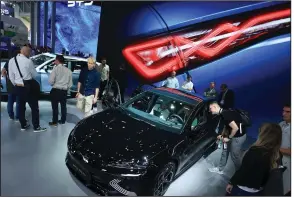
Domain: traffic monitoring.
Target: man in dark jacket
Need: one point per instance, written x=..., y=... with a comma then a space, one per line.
x=226, y=97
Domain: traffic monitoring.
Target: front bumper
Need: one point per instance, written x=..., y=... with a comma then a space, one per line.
x=102, y=183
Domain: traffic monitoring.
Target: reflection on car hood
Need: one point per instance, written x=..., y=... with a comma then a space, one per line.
x=113, y=136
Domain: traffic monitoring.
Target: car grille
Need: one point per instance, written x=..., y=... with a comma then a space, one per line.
x=96, y=181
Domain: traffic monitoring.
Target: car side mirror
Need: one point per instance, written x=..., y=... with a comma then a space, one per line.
x=46, y=68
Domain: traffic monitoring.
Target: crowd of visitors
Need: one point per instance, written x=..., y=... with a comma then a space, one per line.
x=254, y=169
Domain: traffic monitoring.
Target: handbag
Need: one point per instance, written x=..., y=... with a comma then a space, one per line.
x=31, y=85
x=81, y=103
x=84, y=103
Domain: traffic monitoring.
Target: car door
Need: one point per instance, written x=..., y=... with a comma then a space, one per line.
x=199, y=137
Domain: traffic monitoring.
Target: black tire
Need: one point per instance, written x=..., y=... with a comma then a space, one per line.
x=159, y=187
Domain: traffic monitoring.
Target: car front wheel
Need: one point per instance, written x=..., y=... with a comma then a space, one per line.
x=163, y=179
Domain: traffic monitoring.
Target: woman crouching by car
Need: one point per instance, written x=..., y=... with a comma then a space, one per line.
x=258, y=161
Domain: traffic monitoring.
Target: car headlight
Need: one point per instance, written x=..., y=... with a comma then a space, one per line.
x=132, y=165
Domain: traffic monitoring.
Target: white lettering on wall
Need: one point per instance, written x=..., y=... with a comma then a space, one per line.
x=79, y=3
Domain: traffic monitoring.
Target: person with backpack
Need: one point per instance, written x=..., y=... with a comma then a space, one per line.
x=231, y=138
x=260, y=162
x=12, y=97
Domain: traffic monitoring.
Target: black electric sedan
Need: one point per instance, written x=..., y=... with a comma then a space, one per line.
x=143, y=145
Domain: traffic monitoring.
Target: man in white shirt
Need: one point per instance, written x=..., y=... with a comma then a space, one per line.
x=162, y=109
x=286, y=147
x=104, y=68
x=172, y=81
x=22, y=80
x=61, y=81
x=188, y=84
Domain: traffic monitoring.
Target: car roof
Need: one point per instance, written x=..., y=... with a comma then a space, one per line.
x=66, y=57
x=181, y=95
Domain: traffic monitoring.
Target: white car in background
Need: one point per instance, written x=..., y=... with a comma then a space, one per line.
x=44, y=64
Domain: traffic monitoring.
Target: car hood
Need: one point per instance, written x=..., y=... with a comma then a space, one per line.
x=114, y=136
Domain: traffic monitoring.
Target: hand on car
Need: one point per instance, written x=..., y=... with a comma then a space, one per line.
x=229, y=188
x=226, y=139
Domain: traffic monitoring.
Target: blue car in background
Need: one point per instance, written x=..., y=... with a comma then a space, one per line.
x=44, y=65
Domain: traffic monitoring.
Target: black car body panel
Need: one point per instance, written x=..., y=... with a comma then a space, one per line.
x=116, y=145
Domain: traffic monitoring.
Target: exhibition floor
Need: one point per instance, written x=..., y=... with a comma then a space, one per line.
x=32, y=164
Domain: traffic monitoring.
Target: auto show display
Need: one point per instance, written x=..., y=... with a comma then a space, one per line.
x=140, y=147
x=44, y=64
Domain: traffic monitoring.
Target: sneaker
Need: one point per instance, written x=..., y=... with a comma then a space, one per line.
x=53, y=124
x=10, y=118
x=39, y=129
x=61, y=122
x=25, y=127
x=95, y=109
x=216, y=170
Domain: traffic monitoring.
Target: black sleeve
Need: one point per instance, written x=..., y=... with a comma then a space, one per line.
x=81, y=77
x=230, y=97
x=253, y=161
x=227, y=116
x=219, y=98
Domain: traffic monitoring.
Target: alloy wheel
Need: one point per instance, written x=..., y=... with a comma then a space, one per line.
x=164, y=179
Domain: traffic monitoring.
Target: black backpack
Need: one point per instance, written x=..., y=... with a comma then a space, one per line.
x=246, y=120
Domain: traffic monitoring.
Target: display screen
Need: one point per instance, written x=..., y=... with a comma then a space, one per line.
x=41, y=23
x=77, y=28
x=244, y=44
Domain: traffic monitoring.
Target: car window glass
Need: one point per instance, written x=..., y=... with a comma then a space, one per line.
x=161, y=109
x=200, y=118
x=76, y=66
x=39, y=60
x=51, y=65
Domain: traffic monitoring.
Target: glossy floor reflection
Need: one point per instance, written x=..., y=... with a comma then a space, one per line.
x=32, y=164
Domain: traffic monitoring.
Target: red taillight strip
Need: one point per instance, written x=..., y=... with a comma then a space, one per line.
x=198, y=48
x=180, y=93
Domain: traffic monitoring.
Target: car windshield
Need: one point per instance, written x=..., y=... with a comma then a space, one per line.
x=39, y=60
x=3, y=63
x=162, y=111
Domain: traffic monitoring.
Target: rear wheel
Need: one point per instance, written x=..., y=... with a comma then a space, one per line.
x=163, y=179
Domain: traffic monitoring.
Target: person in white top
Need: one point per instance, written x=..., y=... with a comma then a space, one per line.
x=172, y=81
x=188, y=84
x=104, y=69
x=162, y=109
x=21, y=74
x=286, y=147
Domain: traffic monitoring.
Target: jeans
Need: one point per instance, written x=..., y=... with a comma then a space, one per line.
x=58, y=96
x=235, y=148
x=26, y=96
x=236, y=191
x=12, y=98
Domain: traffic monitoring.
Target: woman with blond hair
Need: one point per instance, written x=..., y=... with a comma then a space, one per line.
x=259, y=160
x=88, y=87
